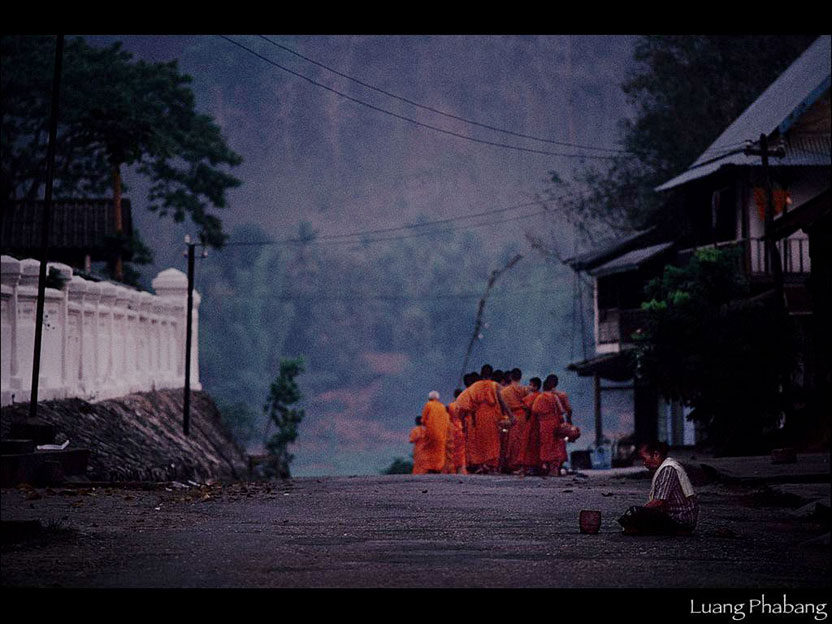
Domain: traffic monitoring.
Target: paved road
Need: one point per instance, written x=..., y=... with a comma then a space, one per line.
x=402, y=531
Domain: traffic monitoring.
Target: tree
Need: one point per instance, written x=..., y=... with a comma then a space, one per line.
x=114, y=113
x=284, y=393
x=685, y=90
x=399, y=465
x=240, y=420
x=711, y=347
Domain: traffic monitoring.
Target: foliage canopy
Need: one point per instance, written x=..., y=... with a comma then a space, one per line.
x=114, y=112
x=283, y=393
x=399, y=465
x=709, y=346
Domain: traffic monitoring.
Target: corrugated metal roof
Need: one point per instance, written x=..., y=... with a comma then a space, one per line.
x=631, y=260
x=806, y=151
x=594, y=257
x=779, y=106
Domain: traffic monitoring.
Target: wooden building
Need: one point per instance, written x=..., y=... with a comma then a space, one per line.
x=720, y=201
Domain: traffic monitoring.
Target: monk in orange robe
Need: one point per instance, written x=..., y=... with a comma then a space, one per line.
x=549, y=411
x=504, y=424
x=417, y=439
x=531, y=455
x=465, y=410
x=488, y=410
x=455, y=464
x=567, y=416
x=437, y=425
x=518, y=436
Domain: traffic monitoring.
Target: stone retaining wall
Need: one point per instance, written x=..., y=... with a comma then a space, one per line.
x=139, y=437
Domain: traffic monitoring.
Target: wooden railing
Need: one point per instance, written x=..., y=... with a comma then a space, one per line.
x=615, y=325
x=793, y=252
x=100, y=340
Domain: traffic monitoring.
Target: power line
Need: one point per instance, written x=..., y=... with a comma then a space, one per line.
x=436, y=110
x=363, y=297
x=414, y=121
x=330, y=237
x=334, y=237
x=389, y=238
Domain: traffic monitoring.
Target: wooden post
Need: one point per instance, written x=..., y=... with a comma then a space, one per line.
x=599, y=425
x=188, y=328
x=46, y=223
x=771, y=248
x=118, y=219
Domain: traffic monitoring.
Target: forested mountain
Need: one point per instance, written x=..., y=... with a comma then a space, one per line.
x=378, y=330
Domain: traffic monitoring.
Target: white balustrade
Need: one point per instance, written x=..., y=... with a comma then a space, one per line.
x=100, y=340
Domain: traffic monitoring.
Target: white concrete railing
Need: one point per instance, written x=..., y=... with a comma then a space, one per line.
x=100, y=340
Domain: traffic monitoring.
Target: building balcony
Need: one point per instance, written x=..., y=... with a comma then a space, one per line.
x=616, y=326
x=793, y=252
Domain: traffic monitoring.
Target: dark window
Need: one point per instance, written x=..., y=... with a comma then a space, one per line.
x=724, y=215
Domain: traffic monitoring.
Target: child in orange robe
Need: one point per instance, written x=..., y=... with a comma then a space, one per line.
x=417, y=439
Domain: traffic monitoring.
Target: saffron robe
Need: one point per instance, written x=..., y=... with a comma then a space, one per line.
x=549, y=411
x=531, y=455
x=417, y=439
x=456, y=442
x=437, y=425
x=484, y=433
x=566, y=410
x=518, y=435
x=564, y=401
x=465, y=410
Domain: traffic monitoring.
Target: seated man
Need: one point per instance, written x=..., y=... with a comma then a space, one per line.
x=672, y=507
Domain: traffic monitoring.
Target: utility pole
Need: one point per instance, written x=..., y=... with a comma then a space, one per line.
x=188, y=329
x=599, y=421
x=772, y=255
x=46, y=223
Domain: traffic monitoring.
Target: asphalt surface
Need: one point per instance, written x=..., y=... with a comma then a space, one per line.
x=403, y=531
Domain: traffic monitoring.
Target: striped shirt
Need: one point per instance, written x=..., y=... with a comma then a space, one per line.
x=683, y=509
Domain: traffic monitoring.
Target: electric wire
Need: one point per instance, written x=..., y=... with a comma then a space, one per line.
x=414, y=121
x=362, y=241
x=363, y=297
x=331, y=237
x=438, y=111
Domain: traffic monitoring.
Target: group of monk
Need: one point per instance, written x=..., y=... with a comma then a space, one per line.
x=495, y=424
